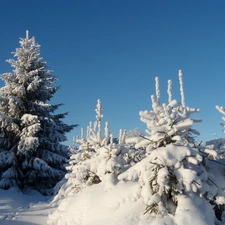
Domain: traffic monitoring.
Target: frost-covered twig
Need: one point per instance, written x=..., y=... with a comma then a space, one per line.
x=181, y=88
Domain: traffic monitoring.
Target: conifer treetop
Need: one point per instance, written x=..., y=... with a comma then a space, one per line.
x=168, y=123
x=27, y=34
x=181, y=88
x=94, y=136
x=157, y=90
x=169, y=91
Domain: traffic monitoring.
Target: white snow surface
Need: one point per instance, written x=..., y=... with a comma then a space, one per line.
x=122, y=205
x=24, y=209
x=97, y=205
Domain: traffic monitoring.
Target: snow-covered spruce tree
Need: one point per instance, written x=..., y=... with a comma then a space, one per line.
x=174, y=165
x=31, y=154
x=98, y=158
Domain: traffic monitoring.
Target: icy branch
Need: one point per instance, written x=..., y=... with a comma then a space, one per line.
x=181, y=88
x=157, y=90
x=27, y=34
x=82, y=133
x=169, y=91
x=106, y=133
x=99, y=117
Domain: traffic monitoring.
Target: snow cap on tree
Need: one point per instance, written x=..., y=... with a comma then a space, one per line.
x=181, y=88
x=169, y=91
x=168, y=123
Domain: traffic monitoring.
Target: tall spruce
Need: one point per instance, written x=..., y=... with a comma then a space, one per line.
x=31, y=153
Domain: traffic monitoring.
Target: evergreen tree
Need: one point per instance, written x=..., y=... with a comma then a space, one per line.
x=174, y=165
x=31, y=154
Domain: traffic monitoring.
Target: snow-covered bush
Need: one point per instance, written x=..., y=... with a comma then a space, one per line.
x=96, y=158
x=174, y=165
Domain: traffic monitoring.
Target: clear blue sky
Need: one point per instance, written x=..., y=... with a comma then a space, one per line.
x=113, y=50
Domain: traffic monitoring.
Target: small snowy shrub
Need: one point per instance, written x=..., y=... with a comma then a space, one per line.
x=98, y=158
x=174, y=164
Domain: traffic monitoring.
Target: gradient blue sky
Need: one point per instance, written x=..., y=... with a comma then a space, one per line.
x=113, y=50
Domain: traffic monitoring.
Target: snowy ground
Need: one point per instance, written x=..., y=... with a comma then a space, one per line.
x=19, y=209
x=97, y=205
x=122, y=205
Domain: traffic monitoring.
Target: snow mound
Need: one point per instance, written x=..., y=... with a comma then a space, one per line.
x=122, y=205
x=95, y=205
